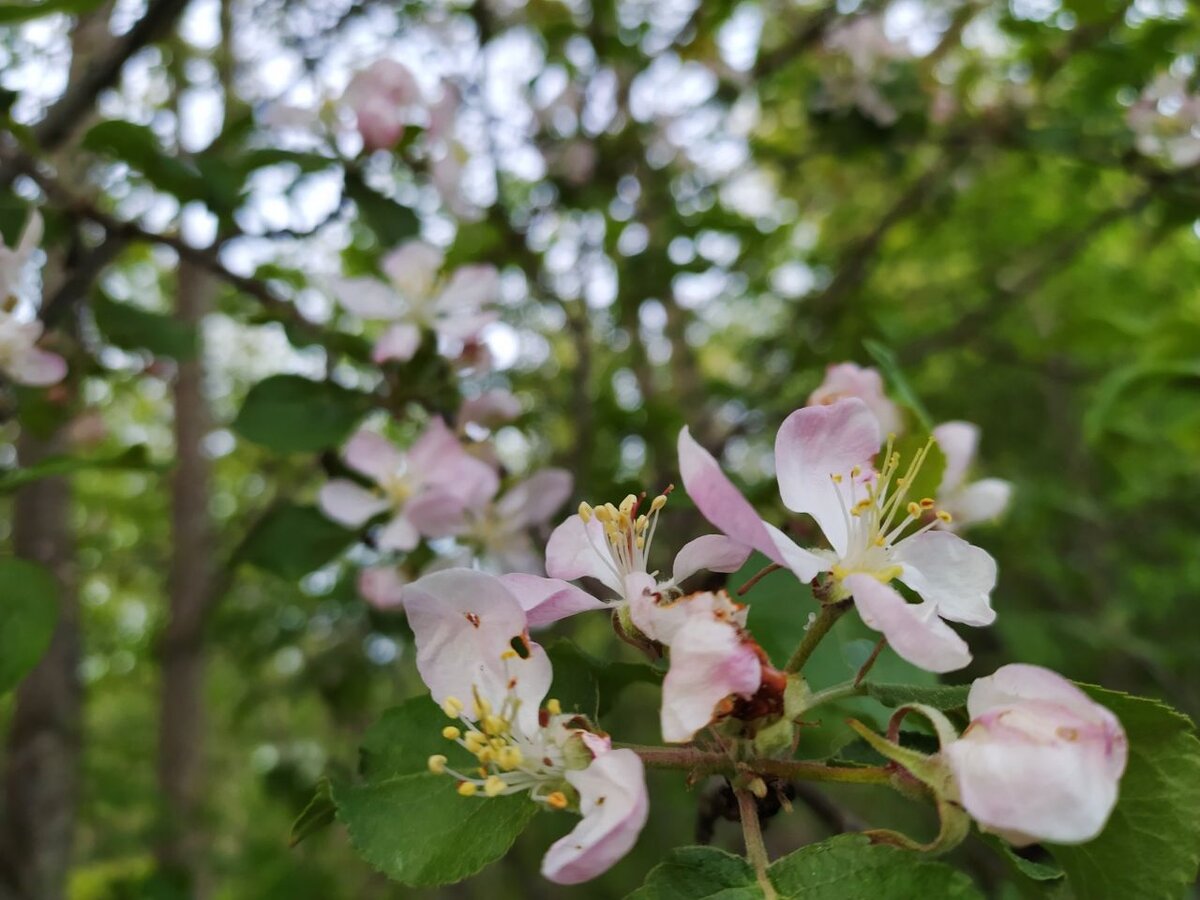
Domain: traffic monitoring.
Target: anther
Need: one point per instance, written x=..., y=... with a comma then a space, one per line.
x=452, y=707
x=451, y=733
x=467, y=789
x=437, y=764
x=553, y=707
x=926, y=503
x=494, y=786
x=556, y=800
x=585, y=512
x=945, y=516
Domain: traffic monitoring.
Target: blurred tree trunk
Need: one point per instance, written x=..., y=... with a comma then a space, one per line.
x=182, y=728
x=41, y=780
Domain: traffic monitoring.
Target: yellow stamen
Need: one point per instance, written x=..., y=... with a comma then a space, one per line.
x=945, y=516
x=494, y=786
x=451, y=733
x=510, y=757
x=437, y=764
x=553, y=707
x=452, y=707
x=467, y=789
x=557, y=800
x=585, y=512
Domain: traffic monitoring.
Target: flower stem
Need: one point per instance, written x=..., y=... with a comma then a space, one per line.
x=820, y=626
x=757, y=577
x=866, y=667
x=837, y=692
x=709, y=763
x=756, y=850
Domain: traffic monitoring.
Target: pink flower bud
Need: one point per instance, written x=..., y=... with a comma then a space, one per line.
x=1040, y=761
x=380, y=96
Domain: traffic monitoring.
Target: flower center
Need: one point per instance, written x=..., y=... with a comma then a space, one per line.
x=878, y=514
x=628, y=532
x=397, y=488
x=508, y=760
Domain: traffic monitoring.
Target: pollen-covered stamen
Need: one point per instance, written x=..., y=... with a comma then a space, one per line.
x=878, y=513
x=628, y=531
x=506, y=759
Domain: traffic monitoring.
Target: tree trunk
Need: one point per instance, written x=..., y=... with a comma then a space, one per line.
x=44, y=743
x=181, y=735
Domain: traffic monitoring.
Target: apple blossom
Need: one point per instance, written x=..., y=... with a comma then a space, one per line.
x=851, y=380
x=501, y=527
x=714, y=662
x=413, y=299
x=1166, y=121
x=875, y=532
x=489, y=409
x=868, y=50
x=967, y=504
x=1040, y=761
x=427, y=490
x=610, y=543
x=382, y=97
x=466, y=624
x=20, y=358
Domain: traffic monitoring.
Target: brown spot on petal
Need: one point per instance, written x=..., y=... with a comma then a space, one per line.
x=472, y=618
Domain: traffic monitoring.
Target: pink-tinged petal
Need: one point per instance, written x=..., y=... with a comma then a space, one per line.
x=850, y=380
x=348, y=503
x=713, y=552
x=979, y=501
x=367, y=298
x=1021, y=682
x=438, y=459
x=379, y=125
x=721, y=502
x=470, y=288
x=956, y=577
x=547, y=600
x=710, y=661
x=913, y=631
x=382, y=586
x=1038, y=769
x=578, y=550
x=413, y=268
x=958, y=442
x=537, y=498
x=38, y=368
x=463, y=624
x=614, y=804
x=489, y=409
x=436, y=513
x=373, y=455
x=661, y=619
x=596, y=743
x=813, y=445
x=400, y=343
x=398, y=534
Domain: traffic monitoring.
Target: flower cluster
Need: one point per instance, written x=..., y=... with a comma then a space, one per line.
x=1039, y=761
x=1165, y=121
x=20, y=358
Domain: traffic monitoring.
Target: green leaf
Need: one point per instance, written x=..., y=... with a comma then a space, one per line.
x=585, y=684
x=132, y=328
x=412, y=825
x=28, y=614
x=699, y=873
x=137, y=145
x=291, y=414
x=1038, y=871
x=843, y=868
x=318, y=814
x=391, y=222
x=850, y=868
x=1151, y=845
x=929, y=477
x=12, y=13
x=292, y=541
x=939, y=696
x=890, y=367
x=135, y=458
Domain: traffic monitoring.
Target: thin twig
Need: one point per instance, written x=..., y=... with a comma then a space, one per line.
x=866, y=667
x=757, y=577
x=825, y=620
x=756, y=850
